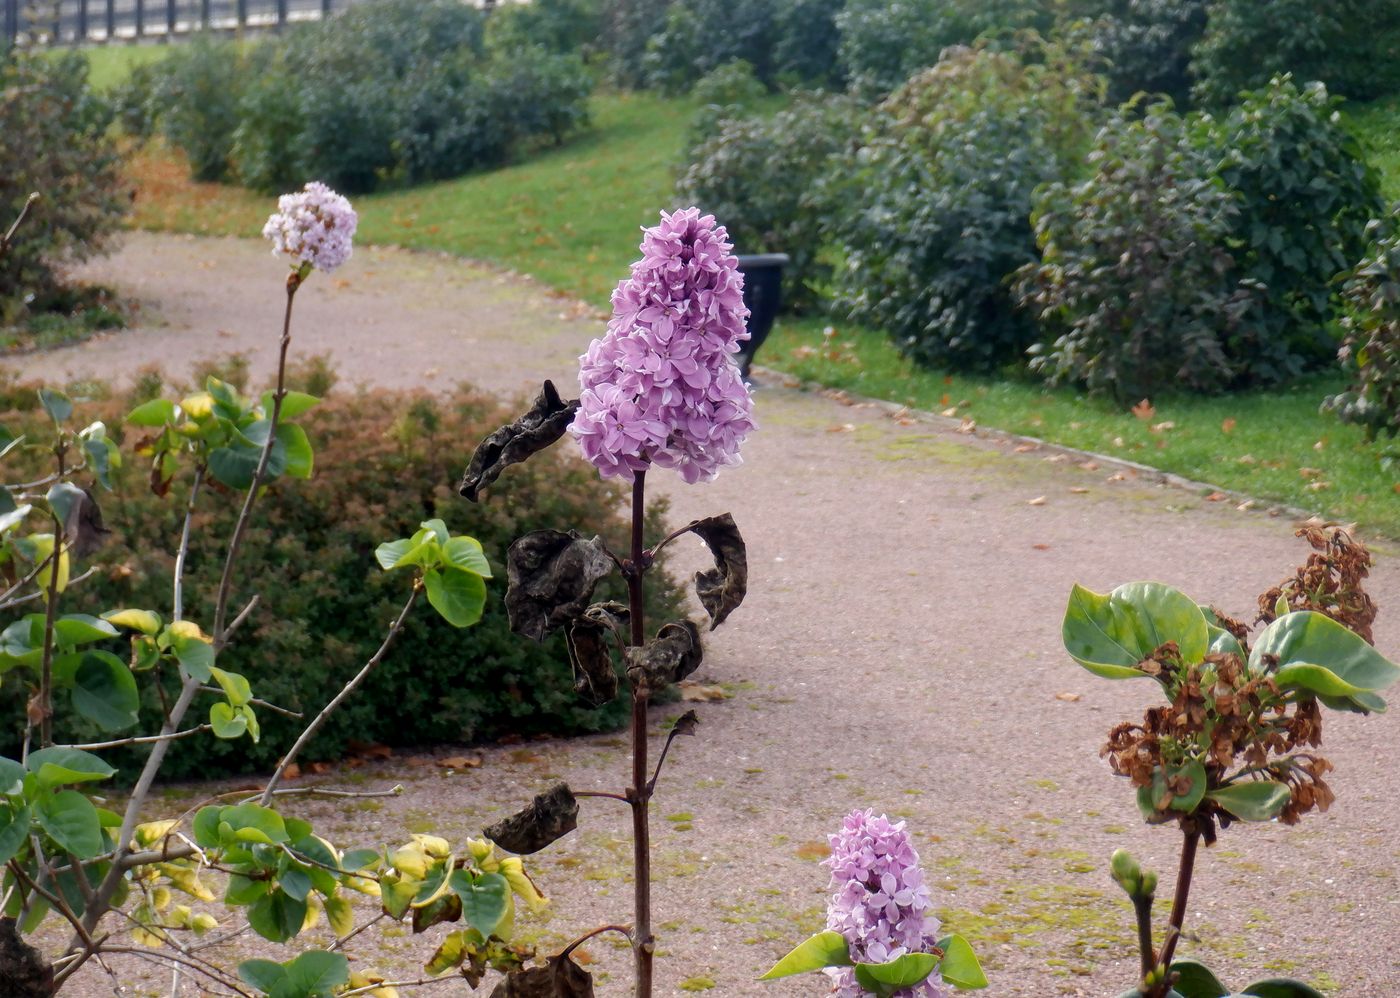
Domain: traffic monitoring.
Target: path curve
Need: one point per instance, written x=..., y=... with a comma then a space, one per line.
x=899, y=649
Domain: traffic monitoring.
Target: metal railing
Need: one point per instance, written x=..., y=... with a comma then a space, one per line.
x=78, y=22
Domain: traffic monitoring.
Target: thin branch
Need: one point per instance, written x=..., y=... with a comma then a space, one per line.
x=339, y=698
x=209, y=971
x=33, y=574
x=178, y=595
x=294, y=714
x=626, y=930
x=140, y=740
x=685, y=726
x=8, y=240
x=340, y=943
x=650, y=555
x=20, y=600
x=222, y=641
x=602, y=793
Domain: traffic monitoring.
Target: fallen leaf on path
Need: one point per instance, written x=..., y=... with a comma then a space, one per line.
x=950, y=413
x=1144, y=410
x=813, y=850
x=1041, y=547
x=292, y=772
x=460, y=762
x=1310, y=472
x=1057, y=458
x=1216, y=497
x=843, y=428
x=945, y=400
x=694, y=692
x=370, y=750
x=1026, y=448
x=1037, y=501
x=967, y=426
x=1245, y=506
x=1089, y=466
x=1228, y=426
x=1069, y=697
x=1079, y=490
x=1117, y=476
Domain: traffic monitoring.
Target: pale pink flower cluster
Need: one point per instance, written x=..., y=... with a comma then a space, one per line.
x=314, y=226
x=661, y=387
x=881, y=905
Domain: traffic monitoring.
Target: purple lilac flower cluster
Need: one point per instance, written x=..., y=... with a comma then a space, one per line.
x=314, y=226
x=661, y=387
x=881, y=904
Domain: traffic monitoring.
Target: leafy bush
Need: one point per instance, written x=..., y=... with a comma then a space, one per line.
x=885, y=42
x=1147, y=46
x=937, y=204
x=1305, y=195
x=728, y=91
x=385, y=462
x=559, y=26
x=1134, y=275
x=808, y=42
x=1351, y=45
x=687, y=46
x=628, y=25
x=765, y=175
x=1371, y=352
x=201, y=85
x=54, y=140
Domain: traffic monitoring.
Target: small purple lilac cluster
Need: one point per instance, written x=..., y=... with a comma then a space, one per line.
x=661, y=387
x=881, y=905
x=315, y=226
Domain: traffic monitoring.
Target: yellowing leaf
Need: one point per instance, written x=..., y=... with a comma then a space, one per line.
x=151, y=832
x=513, y=869
x=433, y=845
x=198, y=405
x=341, y=916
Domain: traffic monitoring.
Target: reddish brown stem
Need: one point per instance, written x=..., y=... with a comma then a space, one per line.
x=1178, y=916
x=639, y=793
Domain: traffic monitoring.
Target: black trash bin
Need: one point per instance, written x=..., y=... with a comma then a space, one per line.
x=763, y=296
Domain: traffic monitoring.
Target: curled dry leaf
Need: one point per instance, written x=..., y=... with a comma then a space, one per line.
x=595, y=681
x=548, y=818
x=666, y=659
x=550, y=577
x=83, y=529
x=722, y=588
x=542, y=425
x=559, y=978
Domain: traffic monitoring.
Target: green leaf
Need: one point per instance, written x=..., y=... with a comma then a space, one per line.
x=1278, y=987
x=57, y=766
x=1155, y=798
x=313, y=975
x=438, y=529
x=825, y=949
x=11, y=778
x=56, y=404
x=454, y=949
x=1222, y=642
x=294, y=444
x=71, y=820
x=358, y=859
x=14, y=831
x=64, y=498
x=262, y=974
x=458, y=596
x=144, y=621
x=1197, y=981
x=277, y=916
x=206, y=827
x=227, y=722
x=293, y=404
x=13, y=518
x=192, y=651
x=884, y=979
x=1317, y=654
x=104, y=691
x=73, y=629
x=235, y=687
x=295, y=881
x=1257, y=800
x=390, y=554
x=1109, y=635
x=156, y=412
x=960, y=966
x=243, y=891
x=485, y=899
x=252, y=823
x=465, y=553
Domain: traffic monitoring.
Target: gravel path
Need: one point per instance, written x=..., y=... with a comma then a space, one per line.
x=899, y=649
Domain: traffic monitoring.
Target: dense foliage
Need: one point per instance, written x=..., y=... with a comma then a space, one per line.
x=766, y=176
x=1350, y=45
x=385, y=463
x=1371, y=352
x=393, y=91
x=54, y=139
x=1147, y=46
x=559, y=26
x=1134, y=277
x=936, y=212
x=1305, y=194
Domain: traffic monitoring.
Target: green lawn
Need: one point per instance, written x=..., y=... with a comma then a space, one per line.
x=570, y=218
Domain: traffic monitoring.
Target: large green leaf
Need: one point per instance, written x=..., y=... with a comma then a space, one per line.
x=959, y=966
x=313, y=975
x=825, y=949
x=1197, y=981
x=262, y=974
x=465, y=553
x=1257, y=800
x=884, y=979
x=228, y=722
x=1278, y=987
x=58, y=765
x=293, y=404
x=73, y=629
x=296, y=447
x=277, y=916
x=457, y=595
x=251, y=823
x=14, y=830
x=485, y=899
x=156, y=412
x=1317, y=654
x=104, y=691
x=56, y=404
x=71, y=820
x=146, y=621
x=11, y=777
x=1109, y=635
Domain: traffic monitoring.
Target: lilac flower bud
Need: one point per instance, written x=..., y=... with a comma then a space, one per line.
x=881, y=905
x=661, y=387
x=313, y=227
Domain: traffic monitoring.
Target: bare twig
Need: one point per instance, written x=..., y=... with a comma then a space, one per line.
x=338, y=699
x=602, y=793
x=255, y=702
x=10, y=235
x=626, y=930
x=31, y=597
x=221, y=642
x=178, y=595
x=340, y=943
x=140, y=740
x=193, y=963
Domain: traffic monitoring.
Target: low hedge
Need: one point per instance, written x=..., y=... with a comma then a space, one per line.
x=385, y=461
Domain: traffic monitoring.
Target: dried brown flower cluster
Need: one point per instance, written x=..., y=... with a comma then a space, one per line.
x=1330, y=582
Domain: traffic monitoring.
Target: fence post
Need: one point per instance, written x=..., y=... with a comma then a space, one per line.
x=11, y=21
x=325, y=9
x=169, y=19
x=57, y=36
x=111, y=19
x=140, y=18
x=204, y=14
x=242, y=14
x=281, y=14
x=82, y=21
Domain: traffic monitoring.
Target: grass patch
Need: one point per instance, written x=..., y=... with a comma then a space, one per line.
x=1377, y=125
x=71, y=315
x=1271, y=444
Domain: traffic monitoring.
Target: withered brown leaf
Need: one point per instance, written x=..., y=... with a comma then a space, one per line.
x=83, y=531
x=447, y=908
x=594, y=679
x=559, y=978
x=722, y=588
x=543, y=424
x=548, y=818
x=668, y=658
x=550, y=577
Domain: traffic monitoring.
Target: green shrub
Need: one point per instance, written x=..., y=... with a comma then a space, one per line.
x=53, y=140
x=1305, y=195
x=560, y=26
x=628, y=25
x=1371, y=352
x=687, y=46
x=202, y=83
x=934, y=210
x=764, y=178
x=385, y=461
x=885, y=42
x=1147, y=46
x=808, y=42
x=1134, y=276
x=1353, y=46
